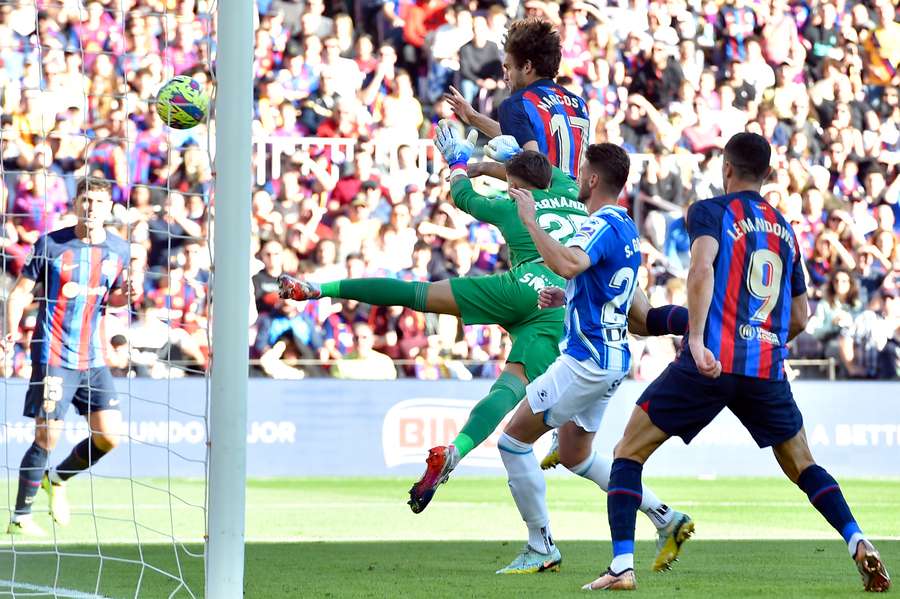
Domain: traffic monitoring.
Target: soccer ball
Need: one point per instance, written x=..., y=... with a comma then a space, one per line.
x=181, y=103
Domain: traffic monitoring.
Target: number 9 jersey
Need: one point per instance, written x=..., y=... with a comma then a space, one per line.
x=553, y=117
x=757, y=273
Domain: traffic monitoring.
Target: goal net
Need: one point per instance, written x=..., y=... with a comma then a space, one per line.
x=78, y=84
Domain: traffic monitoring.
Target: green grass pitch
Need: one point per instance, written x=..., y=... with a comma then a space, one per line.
x=357, y=538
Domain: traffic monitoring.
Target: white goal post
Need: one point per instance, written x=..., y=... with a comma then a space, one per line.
x=231, y=275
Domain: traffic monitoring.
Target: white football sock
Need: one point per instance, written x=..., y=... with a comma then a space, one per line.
x=529, y=489
x=853, y=542
x=597, y=468
x=623, y=562
x=659, y=513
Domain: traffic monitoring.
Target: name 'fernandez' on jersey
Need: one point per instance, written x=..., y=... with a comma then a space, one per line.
x=598, y=299
x=558, y=212
x=757, y=273
x=550, y=115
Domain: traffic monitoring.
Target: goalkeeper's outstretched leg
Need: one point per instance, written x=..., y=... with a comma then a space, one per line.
x=506, y=299
x=421, y=296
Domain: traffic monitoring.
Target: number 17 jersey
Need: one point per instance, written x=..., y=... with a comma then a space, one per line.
x=756, y=274
x=546, y=113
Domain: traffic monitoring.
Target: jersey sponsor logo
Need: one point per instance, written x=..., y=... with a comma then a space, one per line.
x=534, y=281
x=72, y=290
x=748, y=332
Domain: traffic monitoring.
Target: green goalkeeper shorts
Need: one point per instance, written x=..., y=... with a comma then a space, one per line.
x=510, y=300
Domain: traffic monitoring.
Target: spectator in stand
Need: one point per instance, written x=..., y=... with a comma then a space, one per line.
x=659, y=78
x=480, y=63
x=281, y=324
x=364, y=363
x=819, y=81
x=832, y=321
x=169, y=231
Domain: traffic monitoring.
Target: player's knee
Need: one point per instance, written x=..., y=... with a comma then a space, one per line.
x=793, y=468
x=627, y=451
x=105, y=441
x=45, y=441
x=573, y=456
x=793, y=463
x=47, y=436
x=575, y=446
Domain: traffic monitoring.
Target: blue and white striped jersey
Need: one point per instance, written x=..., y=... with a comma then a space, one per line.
x=598, y=300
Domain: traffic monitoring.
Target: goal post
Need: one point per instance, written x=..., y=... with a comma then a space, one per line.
x=231, y=276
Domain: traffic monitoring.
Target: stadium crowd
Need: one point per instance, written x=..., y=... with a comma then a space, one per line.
x=669, y=81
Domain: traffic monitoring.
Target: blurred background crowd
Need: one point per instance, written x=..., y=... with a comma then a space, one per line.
x=668, y=80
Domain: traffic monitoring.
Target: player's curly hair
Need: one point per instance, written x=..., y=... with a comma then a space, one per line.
x=611, y=163
x=537, y=41
x=531, y=167
x=86, y=184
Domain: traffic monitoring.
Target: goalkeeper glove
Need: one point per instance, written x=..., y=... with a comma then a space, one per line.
x=455, y=151
x=502, y=148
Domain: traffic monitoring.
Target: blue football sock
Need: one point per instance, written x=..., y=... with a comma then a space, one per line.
x=34, y=462
x=622, y=501
x=825, y=495
x=83, y=456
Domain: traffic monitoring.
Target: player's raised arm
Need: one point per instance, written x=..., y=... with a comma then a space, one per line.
x=467, y=114
x=501, y=149
x=457, y=152
x=567, y=262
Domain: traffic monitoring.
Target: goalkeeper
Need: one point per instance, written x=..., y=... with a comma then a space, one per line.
x=509, y=299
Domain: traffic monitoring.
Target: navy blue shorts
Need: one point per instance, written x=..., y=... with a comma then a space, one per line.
x=682, y=402
x=54, y=388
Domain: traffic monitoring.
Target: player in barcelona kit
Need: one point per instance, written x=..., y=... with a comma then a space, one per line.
x=81, y=270
x=509, y=299
x=746, y=299
x=539, y=113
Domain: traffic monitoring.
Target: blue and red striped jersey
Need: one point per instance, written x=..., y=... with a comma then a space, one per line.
x=77, y=278
x=757, y=273
x=553, y=117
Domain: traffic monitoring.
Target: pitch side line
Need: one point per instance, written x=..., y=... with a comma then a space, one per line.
x=314, y=504
x=55, y=592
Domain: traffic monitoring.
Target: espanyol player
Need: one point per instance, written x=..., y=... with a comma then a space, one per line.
x=600, y=262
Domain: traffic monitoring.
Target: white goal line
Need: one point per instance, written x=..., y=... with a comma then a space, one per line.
x=44, y=590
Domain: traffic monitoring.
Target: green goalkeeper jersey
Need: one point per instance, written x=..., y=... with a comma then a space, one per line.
x=558, y=212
